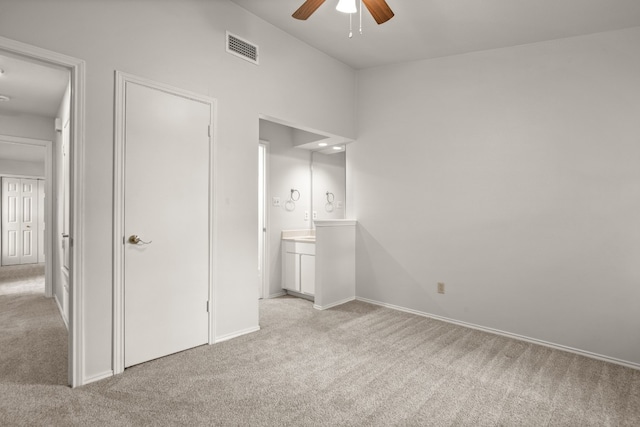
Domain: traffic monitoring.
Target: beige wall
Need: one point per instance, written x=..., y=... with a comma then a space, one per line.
x=511, y=175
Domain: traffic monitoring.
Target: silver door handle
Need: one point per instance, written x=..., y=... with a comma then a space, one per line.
x=64, y=235
x=134, y=240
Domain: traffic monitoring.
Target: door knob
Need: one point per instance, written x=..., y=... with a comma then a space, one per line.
x=134, y=240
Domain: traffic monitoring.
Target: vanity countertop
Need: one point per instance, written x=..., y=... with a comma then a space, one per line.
x=306, y=239
x=306, y=236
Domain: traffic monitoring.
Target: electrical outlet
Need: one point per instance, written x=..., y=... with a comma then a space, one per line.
x=315, y=215
x=306, y=215
x=440, y=287
x=276, y=202
x=339, y=204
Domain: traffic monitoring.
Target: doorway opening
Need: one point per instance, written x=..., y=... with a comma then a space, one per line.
x=25, y=180
x=36, y=61
x=150, y=257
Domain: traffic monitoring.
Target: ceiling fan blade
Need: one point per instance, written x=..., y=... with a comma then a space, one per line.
x=380, y=10
x=307, y=8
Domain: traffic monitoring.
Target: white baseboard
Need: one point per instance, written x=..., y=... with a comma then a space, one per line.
x=64, y=319
x=97, y=377
x=585, y=353
x=333, y=304
x=276, y=295
x=236, y=334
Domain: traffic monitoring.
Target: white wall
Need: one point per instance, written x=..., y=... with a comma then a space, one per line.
x=182, y=44
x=288, y=168
x=26, y=125
x=15, y=167
x=512, y=176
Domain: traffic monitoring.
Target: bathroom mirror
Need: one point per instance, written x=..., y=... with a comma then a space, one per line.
x=311, y=164
x=328, y=186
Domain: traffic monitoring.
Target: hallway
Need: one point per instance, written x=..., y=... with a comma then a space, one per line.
x=22, y=279
x=33, y=338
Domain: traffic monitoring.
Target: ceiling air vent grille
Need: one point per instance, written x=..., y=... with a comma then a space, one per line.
x=242, y=48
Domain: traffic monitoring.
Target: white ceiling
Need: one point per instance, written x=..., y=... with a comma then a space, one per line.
x=424, y=29
x=34, y=88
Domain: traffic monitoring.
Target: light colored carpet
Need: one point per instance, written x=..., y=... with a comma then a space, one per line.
x=356, y=364
x=19, y=279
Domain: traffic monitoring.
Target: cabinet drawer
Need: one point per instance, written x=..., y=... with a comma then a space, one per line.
x=300, y=248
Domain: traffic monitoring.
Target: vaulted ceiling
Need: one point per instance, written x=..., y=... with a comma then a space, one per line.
x=424, y=29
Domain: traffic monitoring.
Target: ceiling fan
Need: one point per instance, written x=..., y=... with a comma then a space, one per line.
x=379, y=9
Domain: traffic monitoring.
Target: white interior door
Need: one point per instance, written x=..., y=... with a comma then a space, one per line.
x=166, y=204
x=11, y=212
x=29, y=223
x=65, y=201
x=19, y=221
x=65, y=254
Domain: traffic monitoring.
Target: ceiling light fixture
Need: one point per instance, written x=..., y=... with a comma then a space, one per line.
x=379, y=9
x=337, y=147
x=4, y=98
x=347, y=6
x=322, y=144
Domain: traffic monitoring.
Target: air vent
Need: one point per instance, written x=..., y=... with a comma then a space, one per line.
x=242, y=48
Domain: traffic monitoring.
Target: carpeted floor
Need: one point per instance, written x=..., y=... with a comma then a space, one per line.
x=20, y=279
x=356, y=364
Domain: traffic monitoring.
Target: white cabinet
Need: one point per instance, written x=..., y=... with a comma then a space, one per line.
x=291, y=271
x=308, y=274
x=299, y=266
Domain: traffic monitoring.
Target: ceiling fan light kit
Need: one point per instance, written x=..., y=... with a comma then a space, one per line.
x=346, y=6
x=379, y=9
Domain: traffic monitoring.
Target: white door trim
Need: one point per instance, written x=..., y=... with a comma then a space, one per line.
x=266, y=260
x=76, y=312
x=49, y=249
x=121, y=79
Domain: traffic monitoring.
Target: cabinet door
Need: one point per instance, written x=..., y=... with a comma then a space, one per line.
x=291, y=272
x=308, y=274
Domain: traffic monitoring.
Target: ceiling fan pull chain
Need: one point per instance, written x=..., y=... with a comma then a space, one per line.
x=360, y=17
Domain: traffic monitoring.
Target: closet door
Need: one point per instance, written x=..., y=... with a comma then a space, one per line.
x=29, y=223
x=19, y=221
x=11, y=213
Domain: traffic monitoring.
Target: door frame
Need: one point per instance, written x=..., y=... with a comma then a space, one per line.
x=49, y=249
x=266, y=238
x=77, y=68
x=121, y=80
